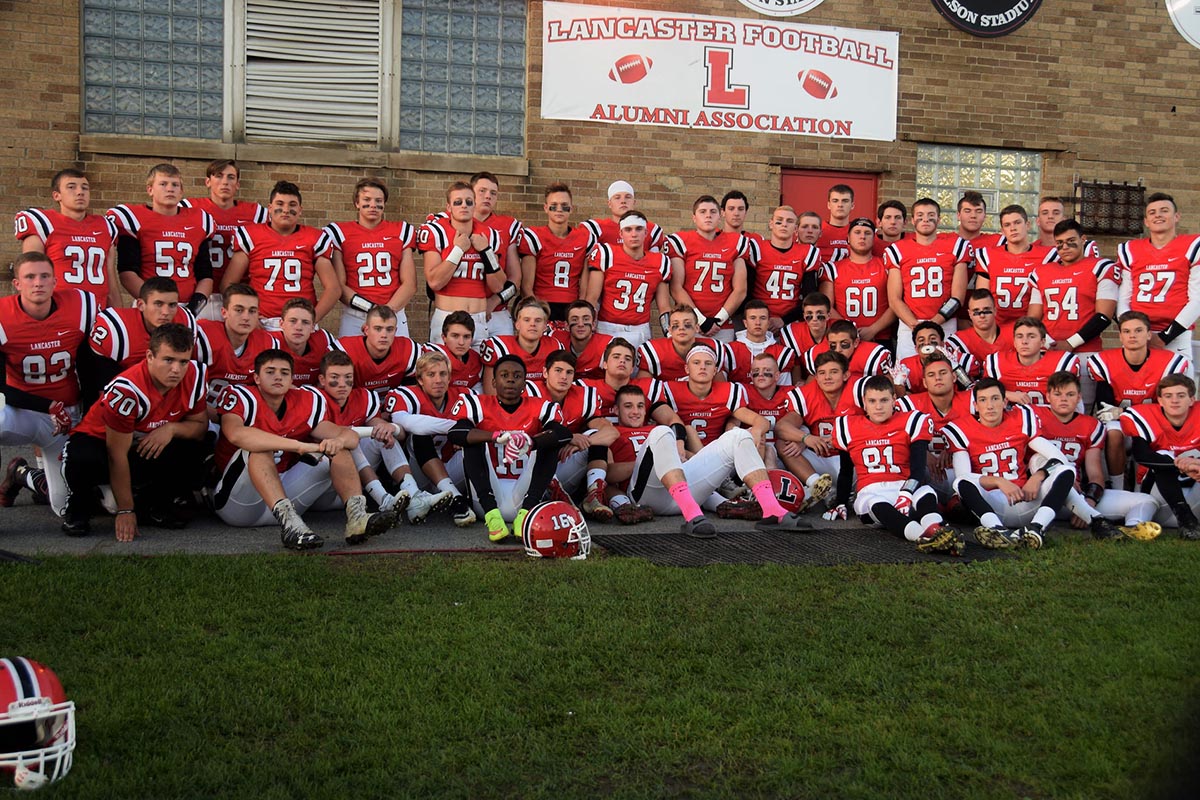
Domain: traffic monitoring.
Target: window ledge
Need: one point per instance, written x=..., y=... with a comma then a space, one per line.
x=332, y=156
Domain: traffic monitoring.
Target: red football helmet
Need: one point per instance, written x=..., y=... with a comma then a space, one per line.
x=37, y=723
x=788, y=488
x=556, y=530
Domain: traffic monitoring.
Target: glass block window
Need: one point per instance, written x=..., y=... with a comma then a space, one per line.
x=462, y=77
x=1003, y=177
x=1111, y=209
x=154, y=68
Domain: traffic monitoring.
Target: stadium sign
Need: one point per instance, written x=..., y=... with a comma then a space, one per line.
x=987, y=18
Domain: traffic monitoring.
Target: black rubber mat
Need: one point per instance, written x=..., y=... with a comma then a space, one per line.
x=825, y=547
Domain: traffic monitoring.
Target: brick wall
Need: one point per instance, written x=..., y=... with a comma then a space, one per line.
x=1105, y=89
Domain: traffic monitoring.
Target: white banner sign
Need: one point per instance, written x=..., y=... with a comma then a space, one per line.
x=638, y=67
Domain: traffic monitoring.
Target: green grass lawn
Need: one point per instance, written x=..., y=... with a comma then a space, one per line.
x=1065, y=673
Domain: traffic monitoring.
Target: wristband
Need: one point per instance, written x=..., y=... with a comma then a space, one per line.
x=121, y=511
x=1094, y=492
x=722, y=316
x=664, y=321
x=360, y=303
x=1172, y=331
x=507, y=292
x=950, y=308
x=910, y=485
x=680, y=431
x=490, y=265
x=455, y=255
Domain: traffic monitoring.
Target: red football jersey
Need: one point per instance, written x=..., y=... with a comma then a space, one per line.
x=813, y=407
x=39, y=355
x=625, y=450
x=120, y=334
x=1068, y=294
x=608, y=231
x=372, y=256
x=797, y=336
x=587, y=363
x=226, y=221
x=225, y=366
x=1074, y=437
x=1135, y=384
x=131, y=403
x=360, y=406
x=580, y=404
x=1002, y=451
x=779, y=273
x=963, y=405
x=708, y=266
x=1008, y=274
x=882, y=452
x=879, y=246
x=78, y=249
x=629, y=285
x=492, y=349
x=466, y=372
x=859, y=290
x=469, y=280
x=486, y=413
x=662, y=361
x=868, y=359
x=559, y=263
x=303, y=409
x=769, y=408
x=169, y=243
x=927, y=271
x=607, y=395
x=739, y=358
x=980, y=242
x=509, y=231
x=1157, y=281
x=707, y=415
x=379, y=375
x=1150, y=423
x=414, y=400
x=307, y=365
x=281, y=267
x=968, y=342
x=1031, y=379
x=832, y=243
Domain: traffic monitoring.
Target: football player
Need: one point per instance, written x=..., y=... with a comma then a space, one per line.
x=971, y=212
x=808, y=229
x=554, y=256
x=510, y=447
x=665, y=359
x=230, y=346
x=121, y=336
x=629, y=415
x=908, y=376
x=857, y=284
x=223, y=178
x=623, y=279
x=707, y=407
x=757, y=339
x=299, y=335
x=382, y=360
x=143, y=438
x=165, y=239
x=458, y=339
x=994, y=474
x=266, y=431
x=461, y=261
x=621, y=201
x=373, y=259
x=811, y=330
x=734, y=207
x=1166, y=438
x=619, y=363
x=43, y=331
x=832, y=244
x=927, y=276
x=1005, y=269
x=530, y=344
x=78, y=243
x=781, y=269
x=887, y=451
x=1081, y=439
x=889, y=221
x=940, y=400
x=1050, y=213
x=1026, y=367
x=865, y=358
x=486, y=187
x=1160, y=277
x=708, y=269
x=283, y=259
x=1125, y=376
x=974, y=344
x=581, y=339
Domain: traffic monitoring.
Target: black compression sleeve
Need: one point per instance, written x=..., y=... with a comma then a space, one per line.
x=202, y=263
x=554, y=436
x=129, y=255
x=845, y=482
x=1094, y=327
x=1104, y=394
x=458, y=434
x=1144, y=454
x=918, y=467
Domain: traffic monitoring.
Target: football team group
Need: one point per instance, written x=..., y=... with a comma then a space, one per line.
x=869, y=364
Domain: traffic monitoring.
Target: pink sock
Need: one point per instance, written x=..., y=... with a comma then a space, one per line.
x=683, y=498
x=765, y=496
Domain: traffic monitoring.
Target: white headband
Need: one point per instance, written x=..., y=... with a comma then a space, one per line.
x=628, y=218
x=702, y=349
x=619, y=186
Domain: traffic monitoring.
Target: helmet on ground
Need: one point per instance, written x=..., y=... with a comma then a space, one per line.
x=37, y=724
x=556, y=530
x=788, y=488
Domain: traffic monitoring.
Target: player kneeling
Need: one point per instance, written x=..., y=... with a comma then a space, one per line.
x=888, y=452
x=267, y=430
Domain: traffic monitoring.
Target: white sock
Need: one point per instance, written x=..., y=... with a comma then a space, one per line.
x=375, y=491
x=595, y=476
x=1045, y=516
x=929, y=520
x=913, y=531
x=409, y=485
x=618, y=501
x=990, y=520
x=1118, y=481
x=812, y=479
x=447, y=485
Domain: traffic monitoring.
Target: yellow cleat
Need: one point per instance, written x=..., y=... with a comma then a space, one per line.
x=1143, y=531
x=497, y=529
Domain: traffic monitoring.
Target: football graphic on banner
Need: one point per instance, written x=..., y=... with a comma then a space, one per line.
x=817, y=83
x=630, y=69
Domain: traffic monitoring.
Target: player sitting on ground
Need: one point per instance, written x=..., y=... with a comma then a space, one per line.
x=1026, y=368
x=581, y=339
x=266, y=430
x=887, y=451
x=757, y=339
x=299, y=335
x=943, y=403
x=995, y=476
x=530, y=343
x=664, y=359
x=510, y=447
